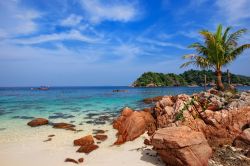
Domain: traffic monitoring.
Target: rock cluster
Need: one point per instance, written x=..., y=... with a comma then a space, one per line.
x=205, y=112
x=86, y=144
x=184, y=127
x=221, y=117
x=42, y=121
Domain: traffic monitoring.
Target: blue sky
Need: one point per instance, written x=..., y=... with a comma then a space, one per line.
x=107, y=42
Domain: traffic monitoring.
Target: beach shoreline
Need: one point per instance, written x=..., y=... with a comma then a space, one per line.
x=24, y=149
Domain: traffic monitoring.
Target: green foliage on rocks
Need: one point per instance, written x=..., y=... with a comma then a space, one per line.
x=188, y=78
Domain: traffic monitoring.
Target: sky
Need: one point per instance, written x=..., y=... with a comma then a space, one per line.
x=107, y=42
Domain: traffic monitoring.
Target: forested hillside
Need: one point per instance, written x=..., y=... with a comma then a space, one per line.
x=188, y=78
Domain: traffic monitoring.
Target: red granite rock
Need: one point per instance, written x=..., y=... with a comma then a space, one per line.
x=152, y=100
x=147, y=142
x=131, y=124
x=38, y=122
x=101, y=137
x=70, y=160
x=80, y=160
x=243, y=139
x=87, y=140
x=65, y=126
x=87, y=148
x=181, y=146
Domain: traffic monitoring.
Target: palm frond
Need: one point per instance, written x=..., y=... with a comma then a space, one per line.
x=225, y=35
x=187, y=64
x=232, y=39
x=202, y=62
x=189, y=56
x=218, y=34
x=201, y=49
x=235, y=53
x=208, y=36
x=196, y=60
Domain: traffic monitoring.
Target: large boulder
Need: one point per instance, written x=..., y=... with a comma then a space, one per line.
x=131, y=124
x=181, y=146
x=38, y=122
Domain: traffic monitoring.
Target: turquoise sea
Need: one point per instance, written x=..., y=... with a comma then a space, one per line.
x=93, y=105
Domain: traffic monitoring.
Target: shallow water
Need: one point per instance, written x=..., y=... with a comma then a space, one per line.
x=76, y=105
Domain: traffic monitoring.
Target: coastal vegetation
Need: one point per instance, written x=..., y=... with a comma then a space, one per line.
x=188, y=78
x=218, y=50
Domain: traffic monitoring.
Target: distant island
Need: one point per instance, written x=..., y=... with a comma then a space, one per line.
x=188, y=78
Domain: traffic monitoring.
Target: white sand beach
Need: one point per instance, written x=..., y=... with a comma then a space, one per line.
x=25, y=147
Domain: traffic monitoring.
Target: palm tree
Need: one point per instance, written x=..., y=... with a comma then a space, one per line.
x=219, y=49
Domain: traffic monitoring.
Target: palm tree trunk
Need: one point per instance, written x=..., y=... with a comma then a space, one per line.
x=220, y=85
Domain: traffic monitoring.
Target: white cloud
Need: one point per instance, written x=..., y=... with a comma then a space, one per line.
x=71, y=35
x=127, y=51
x=16, y=19
x=71, y=20
x=98, y=11
x=234, y=11
x=161, y=43
x=165, y=36
x=193, y=34
x=190, y=6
